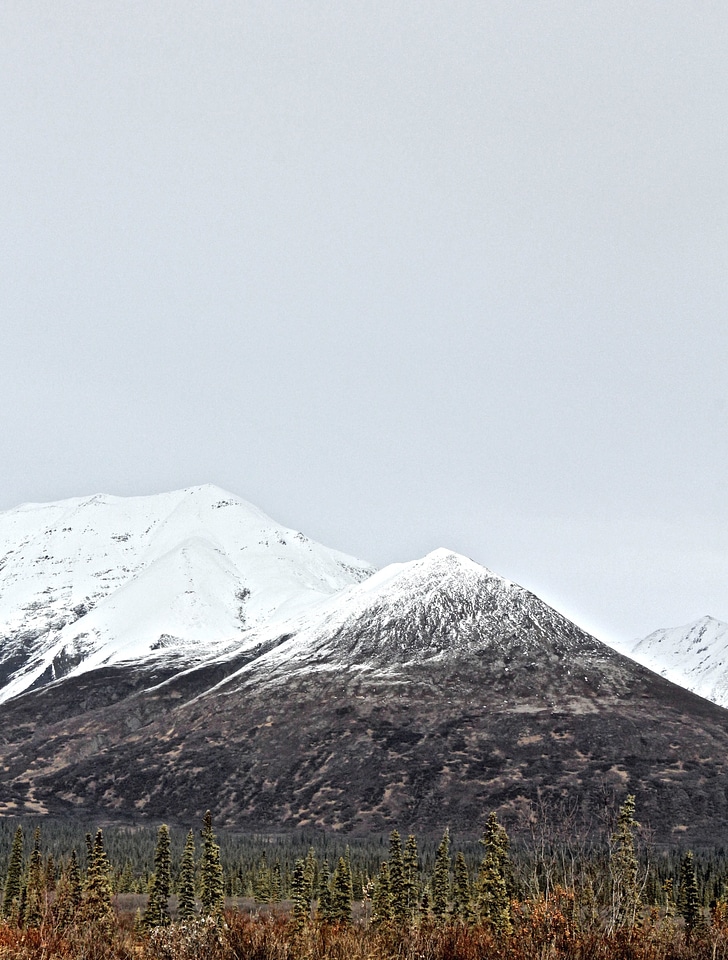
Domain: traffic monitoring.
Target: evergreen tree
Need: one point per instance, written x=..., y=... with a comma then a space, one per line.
x=13, y=876
x=309, y=875
x=74, y=880
x=397, y=886
x=157, y=912
x=411, y=875
x=276, y=881
x=49, y=874
x=688, y=900
x=382, y=897
x=22, y=904
x=262, y=883
x=441, y=878
x=125, y=882
x=212, y=894
x=357, y=884
x=300, y=912
x=494, y=903
x=68, y=894
x=425, y=901
x=324, y=907
x=96, y=897
x=35, y=887
x=461, y=890
x=624, y=868
x=341, y=892
x=186, y=887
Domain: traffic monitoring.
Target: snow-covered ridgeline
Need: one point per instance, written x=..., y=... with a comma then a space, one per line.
x=694, y=656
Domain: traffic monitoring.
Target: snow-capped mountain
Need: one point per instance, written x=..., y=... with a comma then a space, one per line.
x=694, y=656
x=94, y=581
x=165, y=655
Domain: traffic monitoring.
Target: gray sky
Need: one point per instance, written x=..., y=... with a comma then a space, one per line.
x=403, y=274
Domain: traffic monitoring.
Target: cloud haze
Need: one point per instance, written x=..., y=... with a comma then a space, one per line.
x=401, y=274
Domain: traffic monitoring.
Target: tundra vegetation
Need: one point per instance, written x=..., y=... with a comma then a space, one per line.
x=179, y=895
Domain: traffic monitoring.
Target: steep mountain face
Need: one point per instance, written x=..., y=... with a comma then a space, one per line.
x=694, y=656
x=89, y=582
x=425, y=695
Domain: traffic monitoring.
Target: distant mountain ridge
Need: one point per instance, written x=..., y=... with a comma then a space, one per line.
x=694, y=655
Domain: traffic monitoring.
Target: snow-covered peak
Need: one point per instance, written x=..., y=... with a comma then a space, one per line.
x=437, y=570
x=97, y=579
x=694, y=655
x=442, y=607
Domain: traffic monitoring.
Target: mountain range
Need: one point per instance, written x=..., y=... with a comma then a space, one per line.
x=162, y=655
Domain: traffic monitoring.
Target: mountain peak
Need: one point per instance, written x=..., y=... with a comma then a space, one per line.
x=441, y=607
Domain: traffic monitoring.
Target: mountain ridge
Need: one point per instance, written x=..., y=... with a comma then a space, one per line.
x=694, y=655
x=417, y=696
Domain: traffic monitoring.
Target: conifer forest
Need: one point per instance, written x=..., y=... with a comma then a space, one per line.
x=179, y=894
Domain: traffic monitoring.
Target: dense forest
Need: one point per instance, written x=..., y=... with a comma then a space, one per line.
x=173, y=894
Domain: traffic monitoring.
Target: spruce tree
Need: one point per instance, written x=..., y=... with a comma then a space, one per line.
x=397, y=879
x=22, y=904
x=13, y=876
x=68, y=894
x=425, y=902
x=125, y=882
x=494, y=903
x=688, y=900
x=382, y=897
x=309, y=875
x=324, y=906
x=276, y=881
x=35, y=887
x=441, y=878
x=358, y=881
x=461, y=889
x=157, y=912
x=341, y=892
x=186, y=887
x=212, y=892
x=624, y=868
x=262, y=882
x=74, y=881
x=49, y=874
x=411, y=876
x=300, y=911
x=96, y=897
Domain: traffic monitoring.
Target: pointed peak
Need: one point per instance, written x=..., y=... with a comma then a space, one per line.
x=451, y=561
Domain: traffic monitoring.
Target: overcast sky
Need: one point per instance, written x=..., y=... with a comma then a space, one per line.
x=403, y=274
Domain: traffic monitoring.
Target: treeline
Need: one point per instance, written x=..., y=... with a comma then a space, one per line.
x=397, y=895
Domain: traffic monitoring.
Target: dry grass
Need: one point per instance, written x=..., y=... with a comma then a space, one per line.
x=541, y=932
